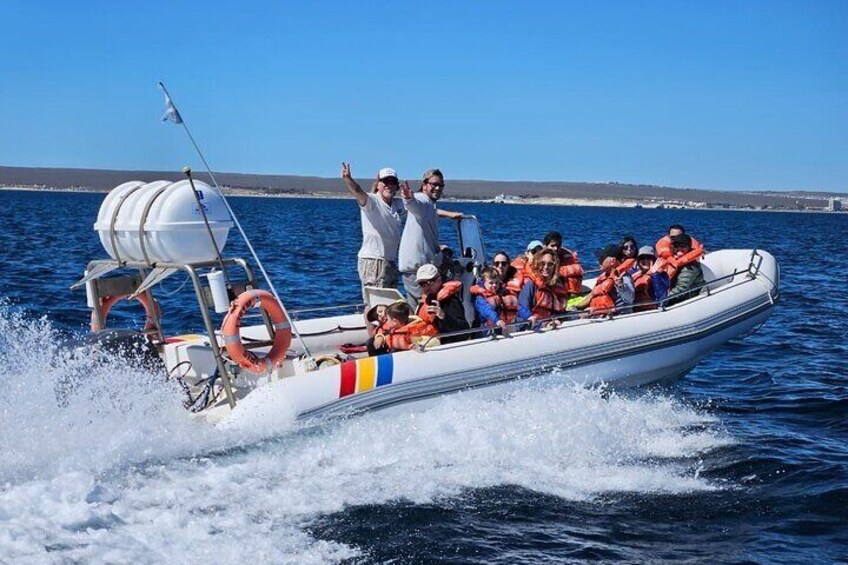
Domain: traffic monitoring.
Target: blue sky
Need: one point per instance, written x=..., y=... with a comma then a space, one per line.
x=711, y=94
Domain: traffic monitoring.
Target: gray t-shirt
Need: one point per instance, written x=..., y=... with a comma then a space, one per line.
x=419, y=243
x=381, y=228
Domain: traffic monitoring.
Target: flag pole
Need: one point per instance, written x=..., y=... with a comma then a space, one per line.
x=174, y=115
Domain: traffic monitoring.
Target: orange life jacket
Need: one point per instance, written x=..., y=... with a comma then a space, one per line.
x=602, y=301
x=513, y=285
x=670, y=264
x=403, y=338
x=504, y=303
x=664, y=248
x=571, y=270
x=625, y=266
x=642, y=283
x=448, y=289
x=549, y=301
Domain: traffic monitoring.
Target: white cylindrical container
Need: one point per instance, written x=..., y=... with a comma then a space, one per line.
x=218, y=286
x=163, y=221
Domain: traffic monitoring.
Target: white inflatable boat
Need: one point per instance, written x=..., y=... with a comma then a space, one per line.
x=315, y=379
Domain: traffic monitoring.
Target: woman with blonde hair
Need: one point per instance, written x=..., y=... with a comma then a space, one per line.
x=543, y=295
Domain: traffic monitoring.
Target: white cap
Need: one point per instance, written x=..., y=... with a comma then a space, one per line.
x=386, y=172
x=426, y=272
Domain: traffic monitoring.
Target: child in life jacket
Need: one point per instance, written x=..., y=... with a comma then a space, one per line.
x=613, y=292
x=495, y=306
x=402, y=331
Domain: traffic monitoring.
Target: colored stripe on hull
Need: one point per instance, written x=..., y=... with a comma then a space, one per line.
x=365, y=374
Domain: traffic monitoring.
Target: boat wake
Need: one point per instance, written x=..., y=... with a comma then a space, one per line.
x=100, y=462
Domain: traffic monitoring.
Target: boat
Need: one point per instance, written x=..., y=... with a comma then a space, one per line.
x=299, y=363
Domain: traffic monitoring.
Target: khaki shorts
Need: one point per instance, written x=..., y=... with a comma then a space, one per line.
x=377, y=272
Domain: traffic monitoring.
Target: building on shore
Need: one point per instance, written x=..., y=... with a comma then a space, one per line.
x=834, y=204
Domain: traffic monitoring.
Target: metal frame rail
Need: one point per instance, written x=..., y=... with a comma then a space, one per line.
x=192, y=270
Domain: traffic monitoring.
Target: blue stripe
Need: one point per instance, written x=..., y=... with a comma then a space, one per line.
x=385, y=366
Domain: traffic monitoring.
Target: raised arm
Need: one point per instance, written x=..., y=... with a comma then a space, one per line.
x=450, y=215
x=354, y=188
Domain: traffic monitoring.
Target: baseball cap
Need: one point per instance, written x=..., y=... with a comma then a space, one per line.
x=386, y=172
x=426, y=272
x=533, y=245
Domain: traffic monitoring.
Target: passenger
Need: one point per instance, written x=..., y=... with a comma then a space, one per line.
x=543, y=295
x=419, y=243
x=510, y=277
x=645, y=281
x=613, y=293
x=381, y=216
x=376, y=318
x=441, y=303
x=450, y=268
x=570, y=269
x=689, y=279
x=402, y=331
x=524, y=264
x=627, y=259
x=664, y=250
x=495, y=306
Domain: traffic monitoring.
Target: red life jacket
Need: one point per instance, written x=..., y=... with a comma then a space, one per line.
x=403, y=338
x=549, y=301
x=448, y=289
x=602, y=301
x=664, y=248
x=571, y=270
x=670, y=264
x=504, y=303
x=625, y=266
x=642, y=283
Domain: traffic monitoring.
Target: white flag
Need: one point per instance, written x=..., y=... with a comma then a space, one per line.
x=171, y=112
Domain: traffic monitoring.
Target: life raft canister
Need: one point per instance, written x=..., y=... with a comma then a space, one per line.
x=232, y=337
x=108, y=301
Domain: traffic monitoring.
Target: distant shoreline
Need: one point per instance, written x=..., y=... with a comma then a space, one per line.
x=546, y=201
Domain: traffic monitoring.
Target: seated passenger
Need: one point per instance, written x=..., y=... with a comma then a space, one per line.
x=441, y=303
x=627, y=258
x=402, y=331
x=450, y=268
x=689, y=277
x=511, y=279
x=570, y=269
x=543, y=295
x=524, y=264
x=495, y=306
x=613, y=293
x=664, y=244
x=375, y=317
x=651, y=286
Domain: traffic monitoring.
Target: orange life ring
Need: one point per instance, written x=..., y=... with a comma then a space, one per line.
x=107, y=302
x=232, y=338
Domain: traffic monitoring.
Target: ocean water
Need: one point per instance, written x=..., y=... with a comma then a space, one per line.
x=743, y=461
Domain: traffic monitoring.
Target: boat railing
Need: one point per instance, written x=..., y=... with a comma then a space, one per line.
x=553, y=323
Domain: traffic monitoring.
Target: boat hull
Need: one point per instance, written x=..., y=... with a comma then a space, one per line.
x=627, y=351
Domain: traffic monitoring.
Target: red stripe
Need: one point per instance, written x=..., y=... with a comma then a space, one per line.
x=347, y=385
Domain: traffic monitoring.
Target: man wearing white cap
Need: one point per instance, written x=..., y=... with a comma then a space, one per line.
x=419, y=244
x=382, y=217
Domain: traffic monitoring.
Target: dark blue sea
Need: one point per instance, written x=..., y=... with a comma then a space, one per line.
x=743, y=461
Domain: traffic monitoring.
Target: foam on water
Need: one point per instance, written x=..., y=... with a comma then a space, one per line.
x=120, y=474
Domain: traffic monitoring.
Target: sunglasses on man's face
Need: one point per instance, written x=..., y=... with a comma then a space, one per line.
x=436, y=184
x=431, y=281
x=502, y=263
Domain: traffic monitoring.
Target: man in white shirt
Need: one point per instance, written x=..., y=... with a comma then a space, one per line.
x=419, y=244
x=382, y=218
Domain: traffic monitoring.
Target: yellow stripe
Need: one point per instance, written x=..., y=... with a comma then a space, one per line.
x=366, y=373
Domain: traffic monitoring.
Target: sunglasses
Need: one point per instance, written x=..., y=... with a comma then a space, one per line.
x=502, y=263
x=547, y=264
x=431, y=281
x=436, y=184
